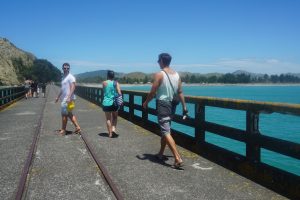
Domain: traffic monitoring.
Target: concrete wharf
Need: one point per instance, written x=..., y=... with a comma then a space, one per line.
x=63, y=168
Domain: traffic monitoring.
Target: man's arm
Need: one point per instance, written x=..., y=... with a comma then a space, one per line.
x=119, y=88
x=156, y=83
x=181, y=97
x=56, y=100
x=72, y=89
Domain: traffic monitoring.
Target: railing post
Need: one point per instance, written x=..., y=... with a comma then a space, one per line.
x=9, y=94
x=91, y=94
x=199, y=123
x=94, y=95
x=131, y=106
x=83, y=92
x=252, y=148
x=98, y=96
x=144, y=111
x=1, y=100
x=101, y=95
x=5, y=96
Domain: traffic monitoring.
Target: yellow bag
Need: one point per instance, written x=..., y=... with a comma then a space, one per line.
x=71, y=106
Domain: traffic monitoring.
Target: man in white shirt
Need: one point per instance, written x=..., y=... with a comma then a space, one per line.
x=67, y=98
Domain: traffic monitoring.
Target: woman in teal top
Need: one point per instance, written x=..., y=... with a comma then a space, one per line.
x=110, y=88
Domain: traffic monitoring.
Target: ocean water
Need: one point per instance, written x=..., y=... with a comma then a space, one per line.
x=286, y=127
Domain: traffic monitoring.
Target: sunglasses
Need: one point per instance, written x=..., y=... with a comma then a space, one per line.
x=66, y=68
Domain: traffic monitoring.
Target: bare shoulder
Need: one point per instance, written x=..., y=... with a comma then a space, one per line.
x=104, y=83
x=158, y=74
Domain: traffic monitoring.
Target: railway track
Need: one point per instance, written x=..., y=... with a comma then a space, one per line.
x=23, y=181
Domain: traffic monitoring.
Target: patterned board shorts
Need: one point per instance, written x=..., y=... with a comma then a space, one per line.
x=165, y=112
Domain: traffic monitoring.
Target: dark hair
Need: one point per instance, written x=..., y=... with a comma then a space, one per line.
x=165, y=58
x=110, y=74
x=66, y=64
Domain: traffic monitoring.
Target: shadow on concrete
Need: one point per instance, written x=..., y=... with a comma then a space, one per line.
x=115, y=135
x=153, y=158
x=67, y=132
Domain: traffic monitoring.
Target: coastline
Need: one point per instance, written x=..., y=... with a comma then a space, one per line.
x=201, y=84
x=242, y=84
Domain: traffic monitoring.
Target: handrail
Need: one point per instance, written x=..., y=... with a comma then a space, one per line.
x=9, y=95
x=249, y=165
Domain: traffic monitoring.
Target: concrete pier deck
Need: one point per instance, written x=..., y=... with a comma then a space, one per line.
x=62, y=167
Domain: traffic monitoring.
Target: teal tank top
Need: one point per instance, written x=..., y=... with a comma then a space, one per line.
x=109, y=93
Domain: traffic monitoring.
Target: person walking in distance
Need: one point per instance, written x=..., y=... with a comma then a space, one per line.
x=27, y=88
x=110, y=89
x=166, y=85
x=67, y=97
x=43, y=86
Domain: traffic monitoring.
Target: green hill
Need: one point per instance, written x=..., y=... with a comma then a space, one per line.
x=16, y=65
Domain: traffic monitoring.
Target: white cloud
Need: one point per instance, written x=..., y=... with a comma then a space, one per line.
x=269, y=66
x=224, y=65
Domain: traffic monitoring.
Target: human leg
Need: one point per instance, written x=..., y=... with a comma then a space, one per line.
x=171, y=144
x=163, y=145
x=64, y=120
x=75, y=122
x=108, y=116
x=26, y=94
x=114, y=121
x=167, y=139
x=164, y=115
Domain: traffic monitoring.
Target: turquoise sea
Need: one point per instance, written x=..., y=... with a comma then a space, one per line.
x=286, y=127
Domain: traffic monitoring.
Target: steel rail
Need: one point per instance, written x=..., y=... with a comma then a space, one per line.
x=23, y=179
x=104, y=171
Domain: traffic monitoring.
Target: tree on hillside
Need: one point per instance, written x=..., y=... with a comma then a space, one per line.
x=212, y=79
x=41, y=71
x=22, y=70
x=44, y=71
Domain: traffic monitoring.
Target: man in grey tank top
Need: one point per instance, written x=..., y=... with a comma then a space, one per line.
x=166, y=83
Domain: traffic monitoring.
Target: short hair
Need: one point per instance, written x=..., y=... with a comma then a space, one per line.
x=165, y=58
x=110, y=74
x=66, y=64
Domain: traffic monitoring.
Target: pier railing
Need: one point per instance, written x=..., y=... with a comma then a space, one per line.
x=8, y=95
x=248, y=164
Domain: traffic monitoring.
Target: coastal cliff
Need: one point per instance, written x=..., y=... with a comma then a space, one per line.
x=9, y=56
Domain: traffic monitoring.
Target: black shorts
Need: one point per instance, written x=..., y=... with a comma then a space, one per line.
x=111, y=108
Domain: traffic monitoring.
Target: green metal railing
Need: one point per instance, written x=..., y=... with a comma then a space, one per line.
x=9, y=95
x=250, y=164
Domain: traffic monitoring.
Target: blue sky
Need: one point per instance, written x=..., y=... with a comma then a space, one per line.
x=204, y=36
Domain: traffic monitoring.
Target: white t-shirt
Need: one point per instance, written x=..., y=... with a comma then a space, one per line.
x=66, y=87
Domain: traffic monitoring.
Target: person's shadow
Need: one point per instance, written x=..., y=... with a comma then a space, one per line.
x=155, y=159
x=67, y=132
x=107, y=135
